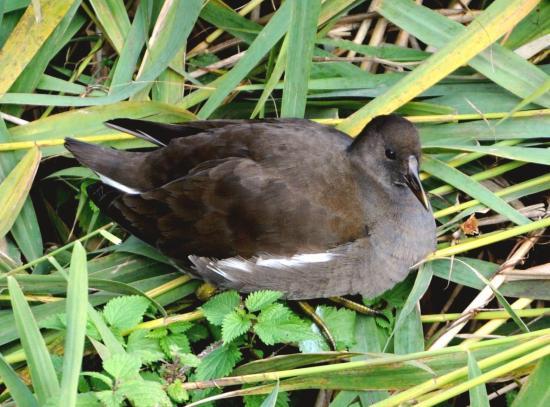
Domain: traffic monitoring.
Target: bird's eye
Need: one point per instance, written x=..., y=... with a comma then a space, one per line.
x=390, y=154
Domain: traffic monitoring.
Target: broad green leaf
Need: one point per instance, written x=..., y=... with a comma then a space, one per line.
x=218, y=363
x=27, y=38
x=466, y=184
x=122, y=366
x=43, y=375
x=536, y=392
x=494, y=21
x=301, y=34
x=219, y=306
x=278, y=324
x=145, y=393
x=234, y=325
x=478, y=394
x=125, y=312
x=109, y=339
x=15, y=188
x=409, y=338
x=258, y=300
x=77, y=300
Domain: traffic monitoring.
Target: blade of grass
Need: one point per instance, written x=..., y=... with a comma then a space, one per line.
x=536, y=392
x=497, y=63
x=466, y=184
x=15, y=188
x=77, y=299
x=17, y=388
x=43, y=374
x=267, y=38
x=496, y=20
x=301, y=34
x=114, y=20
x=478, y=394
x=27, y=38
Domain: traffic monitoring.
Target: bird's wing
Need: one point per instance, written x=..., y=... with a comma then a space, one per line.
x=223, y=208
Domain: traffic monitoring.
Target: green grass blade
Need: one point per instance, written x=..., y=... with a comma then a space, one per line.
x=17, y=388
x=527, y=154
x=77, y=300
x=15, y=188
x=496, y=20
x=478, y=394
x=301, y=33
x=114, y=20
x=43, y=374
x=409, y=337
x=497, y=63
x=454, y=177
x=267, y=38
x=27, y=38
x=536, y=392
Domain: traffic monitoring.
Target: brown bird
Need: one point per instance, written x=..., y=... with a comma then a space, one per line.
x=280, y=204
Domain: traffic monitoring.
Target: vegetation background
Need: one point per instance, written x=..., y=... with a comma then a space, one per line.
x=91, y=316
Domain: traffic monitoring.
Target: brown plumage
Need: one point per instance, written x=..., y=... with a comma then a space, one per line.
x=276, y=204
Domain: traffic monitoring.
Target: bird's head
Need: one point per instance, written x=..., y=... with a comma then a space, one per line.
x=388, y=148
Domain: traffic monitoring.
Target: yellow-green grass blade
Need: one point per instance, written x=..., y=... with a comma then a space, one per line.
x=114, y=20
x=478, y=394
x=459, y=180
x=15, y=188
x=497, y=63
x=265, y=40
x=496, y=20
x=77, y=301
x=25, y=229
x=527, y=154
x=19, y=392
x=27, y=38
x=301, y=40
x=536, y=392
x=43, y=374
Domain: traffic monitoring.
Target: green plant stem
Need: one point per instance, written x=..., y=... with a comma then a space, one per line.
x=162, y=322
x=487, y=315
x=485, y=377
x=439, y=382
x=489, y=239
x=282, y=374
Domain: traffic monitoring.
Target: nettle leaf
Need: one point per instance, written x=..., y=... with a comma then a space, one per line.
x=144, y=347
x=122, y=366
x=158, y=333
x=145, y=393
x=110, y=398
x=188, y=359
x=125, y=312
x=234, y=325
x=180, y=327
x=176, y=391
x=219, y=306
x=341, y=323
x=278, y=324
x=259, y=300
x=197, y=332
x=175, y=343
x=218, y=363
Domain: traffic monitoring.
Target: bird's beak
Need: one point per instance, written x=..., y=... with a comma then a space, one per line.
x=413, y=181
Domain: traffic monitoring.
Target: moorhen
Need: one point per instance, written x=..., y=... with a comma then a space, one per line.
x=280, y=204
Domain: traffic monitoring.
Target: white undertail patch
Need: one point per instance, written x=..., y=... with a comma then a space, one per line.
x=118, y=185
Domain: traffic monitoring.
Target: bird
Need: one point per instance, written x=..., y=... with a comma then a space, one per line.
x=288, y=205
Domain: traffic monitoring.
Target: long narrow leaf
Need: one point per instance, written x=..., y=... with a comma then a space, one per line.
x=17, y=388
x=43, y=374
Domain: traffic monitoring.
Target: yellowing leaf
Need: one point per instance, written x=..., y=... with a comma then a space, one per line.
x=15, y=188
x=499, y=18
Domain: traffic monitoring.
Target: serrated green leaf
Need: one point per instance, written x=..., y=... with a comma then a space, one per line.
x=176, y=391
x=234, y=325
x=122, y=366
x=259, y=300
x=278, y=324
x=142, y=346
x=110, y=398
x=218, y=363
x=175, y=343
x=145, y=393
x=219, y=306
x=125, y=312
